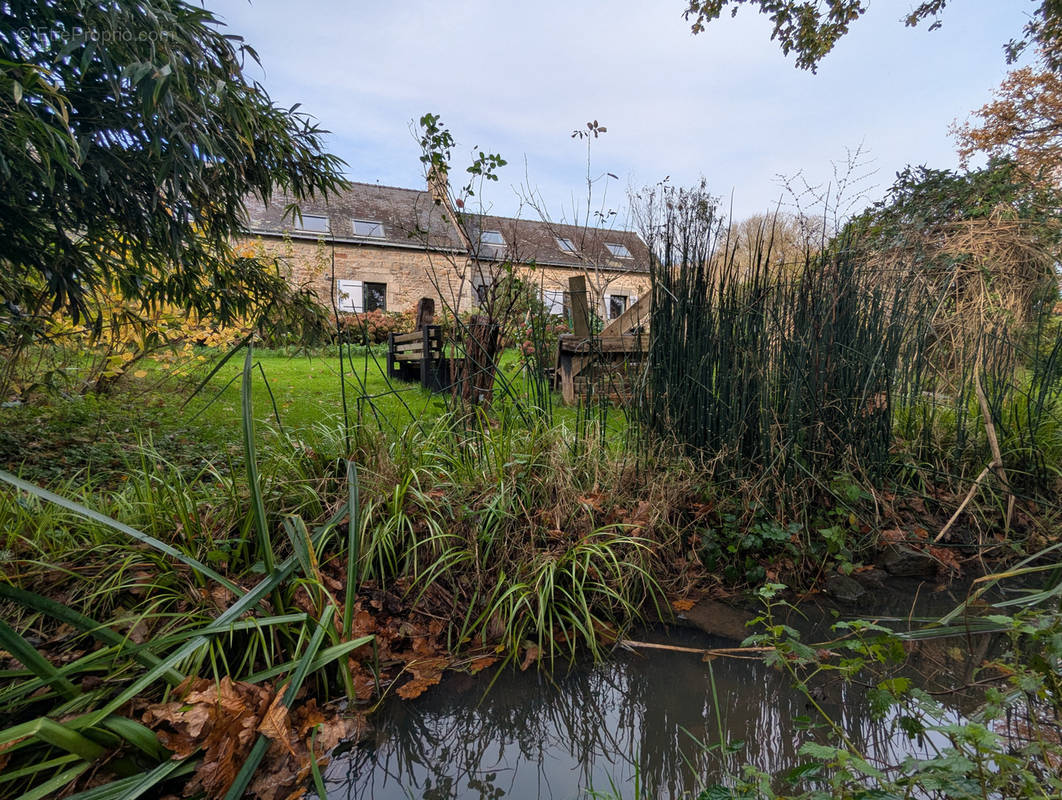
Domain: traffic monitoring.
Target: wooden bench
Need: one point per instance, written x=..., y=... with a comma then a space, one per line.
x=417, y=358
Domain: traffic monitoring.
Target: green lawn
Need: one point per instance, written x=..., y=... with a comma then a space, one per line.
x=55, y=438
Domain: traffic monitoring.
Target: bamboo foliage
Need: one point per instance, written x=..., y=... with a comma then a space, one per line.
x=851, y=360
x=762, y=369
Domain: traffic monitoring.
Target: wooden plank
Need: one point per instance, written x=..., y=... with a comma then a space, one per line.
x=425, y=313
x=613, y=344
x=401, y=338
x=580, y=306
x=565, y=377
x=635, y=316
x=408, y=357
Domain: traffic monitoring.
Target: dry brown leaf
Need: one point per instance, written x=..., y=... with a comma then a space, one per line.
x=593, y=499
x=220, y=719
x=276, y=725
x=221, y=596
x=893, y=535
x=307, y=716
x=331, y=732
x=364, y=681
x=531, y=655
x=426, y=673
x=946, y=557
x=481, y=663
x=140, y=632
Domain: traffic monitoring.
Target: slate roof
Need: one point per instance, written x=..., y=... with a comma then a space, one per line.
x=410, y=218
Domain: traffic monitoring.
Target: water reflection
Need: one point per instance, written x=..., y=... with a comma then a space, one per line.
x=643, y=714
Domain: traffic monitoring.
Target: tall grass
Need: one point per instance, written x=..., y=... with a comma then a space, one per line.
x=75, y=568
x=767, y=369
x=781, y=376
x=486, y=523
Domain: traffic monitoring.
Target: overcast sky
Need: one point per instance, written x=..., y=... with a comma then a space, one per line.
x=517, y=78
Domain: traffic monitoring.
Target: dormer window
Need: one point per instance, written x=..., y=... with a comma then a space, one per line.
x=312, y=223
x=493, y=238
x=369, y=228
x=618, y=250
x=565, y=244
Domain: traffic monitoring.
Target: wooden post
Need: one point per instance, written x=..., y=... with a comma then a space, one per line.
x=565, y=376
x=580, y=327
x=426, y=364
x=392, y=371
x=580, y=306
x=481, y=348
x=425, y=313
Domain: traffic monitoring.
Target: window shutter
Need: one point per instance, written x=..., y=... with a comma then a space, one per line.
x=349, y=296
x=553, y=300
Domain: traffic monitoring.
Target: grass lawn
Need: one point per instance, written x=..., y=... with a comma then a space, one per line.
x=96, y=437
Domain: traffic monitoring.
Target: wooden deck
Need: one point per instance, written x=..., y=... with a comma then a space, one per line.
x=611, y=363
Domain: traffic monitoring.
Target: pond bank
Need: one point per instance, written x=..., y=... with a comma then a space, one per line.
x=648, y=717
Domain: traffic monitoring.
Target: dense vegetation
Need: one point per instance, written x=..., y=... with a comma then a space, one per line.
x=217, y=560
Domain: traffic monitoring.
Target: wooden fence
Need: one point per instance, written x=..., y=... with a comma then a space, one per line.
x=611, y=363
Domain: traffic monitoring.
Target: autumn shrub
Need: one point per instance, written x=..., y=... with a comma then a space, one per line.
x=540, y=342
x=373, y=327
x=92, y=355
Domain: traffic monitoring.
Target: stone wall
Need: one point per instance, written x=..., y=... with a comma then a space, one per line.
x=412, y=273
x=409, y=274
x=599, y=282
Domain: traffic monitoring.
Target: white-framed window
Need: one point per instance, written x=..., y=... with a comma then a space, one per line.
x=369, y=228
x=374, y=296
x=565, y=244
x=481, y=288
x=615, y=304
x=314, y=223
x=553, y=300
x=618, y=250
x=350, y=296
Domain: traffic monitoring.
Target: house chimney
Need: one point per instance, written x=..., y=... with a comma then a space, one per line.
x=438, y=190
x=438, y=186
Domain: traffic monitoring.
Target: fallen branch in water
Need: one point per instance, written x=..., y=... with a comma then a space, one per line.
x=731, y=652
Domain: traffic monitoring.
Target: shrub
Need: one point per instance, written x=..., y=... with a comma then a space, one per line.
x=373, y=327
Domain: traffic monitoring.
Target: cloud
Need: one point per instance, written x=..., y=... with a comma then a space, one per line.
x=517, y=78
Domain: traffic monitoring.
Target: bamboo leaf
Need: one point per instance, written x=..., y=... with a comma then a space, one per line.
x=243, y=778
x=50, y=788
x=139, y=536
x=325, y=658
x=137, y=785
x=353, y=547
x=15, y=644
x=58, y=611
x=265, y=544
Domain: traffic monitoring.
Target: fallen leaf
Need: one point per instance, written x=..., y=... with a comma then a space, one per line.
x=946, y=557
x=531, y=655
x=481, y=663
x=425, y=674
x=276, y=725
x=893, y=535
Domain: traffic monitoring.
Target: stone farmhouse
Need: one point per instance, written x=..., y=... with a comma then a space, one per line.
x=381, y=247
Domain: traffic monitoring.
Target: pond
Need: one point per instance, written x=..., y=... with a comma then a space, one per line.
x=648, y=717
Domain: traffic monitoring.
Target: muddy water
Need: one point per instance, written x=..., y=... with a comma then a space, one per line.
x=643, y=716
